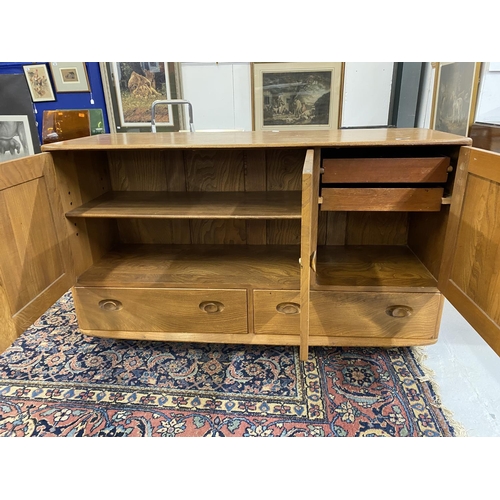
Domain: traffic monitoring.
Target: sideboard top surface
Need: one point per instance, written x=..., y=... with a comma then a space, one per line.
x=265, y=139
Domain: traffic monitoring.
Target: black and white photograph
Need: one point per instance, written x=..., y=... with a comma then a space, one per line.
x=296, y=95
x=15, y=137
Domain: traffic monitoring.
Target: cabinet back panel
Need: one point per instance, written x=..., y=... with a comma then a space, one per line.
x=208, y=170
x=147, y=170
x=363, y=228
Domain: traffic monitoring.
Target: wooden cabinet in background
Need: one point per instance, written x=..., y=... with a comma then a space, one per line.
x=345, y=237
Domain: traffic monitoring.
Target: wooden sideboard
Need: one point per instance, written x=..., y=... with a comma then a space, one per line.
x=335, y=238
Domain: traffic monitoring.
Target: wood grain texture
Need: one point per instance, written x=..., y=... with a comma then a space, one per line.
x=368, y=267
x=255, y=180
x=385, y=170
x=470, y=278
x=192, y=205
x=31, y=256
x=218, y=232
x=214, y=170
x=218, y=338
x=35, y=263
x=153, y=231
x=212, y=266
x=426, y=235
x=80, y=178
x=141, y=170
x=485, y=164
x=382, y=199
x=162, y=310
x=22, y=170
x=477, y=254
x=355, y=314
x=306, y=252
x=268, y=320
x=336, y=228
x=268, y=139
x=376, y=228
x=284, y=169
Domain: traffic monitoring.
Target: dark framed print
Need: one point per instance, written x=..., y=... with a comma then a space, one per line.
x=130, y=88
x=70, y=76
x=296, y=96
x=39, y=84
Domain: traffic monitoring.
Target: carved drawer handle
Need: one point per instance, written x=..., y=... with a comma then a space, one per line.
x=211, y=307
x=288, y=308
x=399, y=311
x=110, y=305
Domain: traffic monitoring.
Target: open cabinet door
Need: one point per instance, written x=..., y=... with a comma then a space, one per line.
x=471, y=268
x=308, y=241
x=35, y=263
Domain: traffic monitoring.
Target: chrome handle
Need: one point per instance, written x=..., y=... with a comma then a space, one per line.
x=211, y=307
x=171, y=101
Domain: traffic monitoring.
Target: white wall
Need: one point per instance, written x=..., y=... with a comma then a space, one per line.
x=221, y=94
x=488, y=104
x=367, y=94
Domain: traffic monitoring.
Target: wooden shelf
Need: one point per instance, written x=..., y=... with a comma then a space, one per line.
x=200, y=266
x=368, y=268
x=193, y=205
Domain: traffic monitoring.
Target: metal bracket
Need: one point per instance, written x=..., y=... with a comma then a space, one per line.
x=171, y=101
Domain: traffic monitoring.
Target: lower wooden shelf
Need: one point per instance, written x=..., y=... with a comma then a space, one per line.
x=372, y=268
x=197, y=266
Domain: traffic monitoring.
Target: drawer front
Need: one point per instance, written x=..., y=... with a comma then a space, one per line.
x=382, y=199
x=161, y=310
x=277, y=311
x=384, y=170
x=371, y=314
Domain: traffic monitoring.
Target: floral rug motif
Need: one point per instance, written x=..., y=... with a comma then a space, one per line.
x=55, y=381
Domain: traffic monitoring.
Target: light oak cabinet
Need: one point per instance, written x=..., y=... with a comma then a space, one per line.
x=348, y=237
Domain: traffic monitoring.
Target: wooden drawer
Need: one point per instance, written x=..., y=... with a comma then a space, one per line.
x=161, y=310
x=384, y=170
x=372, y=314
x=382, y=199
x=277, y=311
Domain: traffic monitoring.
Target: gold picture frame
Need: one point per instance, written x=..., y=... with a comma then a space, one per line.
x=70, y=76
x=39, y=84
x=296, y=96
x=454, y=96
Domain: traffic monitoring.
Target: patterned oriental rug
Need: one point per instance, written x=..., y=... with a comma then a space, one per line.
x=55, y=381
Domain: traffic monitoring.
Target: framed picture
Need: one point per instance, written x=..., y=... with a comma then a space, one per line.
x=296, y=96
x=130, y=88
x=455, y=93
x=70, y=76
x=39, y=84
x=16, y=106
x=15, y=137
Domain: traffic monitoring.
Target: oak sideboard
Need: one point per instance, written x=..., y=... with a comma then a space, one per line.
x=304, y=238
